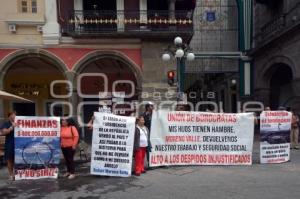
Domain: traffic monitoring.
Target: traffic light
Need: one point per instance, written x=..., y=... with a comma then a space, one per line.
x=171, y=77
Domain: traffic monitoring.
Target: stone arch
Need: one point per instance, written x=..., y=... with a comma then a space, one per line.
x=22, y=54
x=274, y=90
x=27, y=53
x=268, y=69
x=99, y=54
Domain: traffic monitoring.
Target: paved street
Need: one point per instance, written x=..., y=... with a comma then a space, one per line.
x=256, y=181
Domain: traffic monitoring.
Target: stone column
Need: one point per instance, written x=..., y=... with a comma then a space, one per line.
x=262, y=95
x=143, y=13
x=296, y=96
x=51, y=29
x=78, y=5
x=2, y=114
x=296, y=86
x=78, y=13
x=172, y=9
x=71, y=77
x=120, y=15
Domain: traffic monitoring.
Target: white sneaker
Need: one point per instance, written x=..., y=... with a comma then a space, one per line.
x=71, y=176
x=11, y=178
x=66, y=175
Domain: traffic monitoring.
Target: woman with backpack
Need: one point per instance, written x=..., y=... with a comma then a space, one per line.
x=69, y=140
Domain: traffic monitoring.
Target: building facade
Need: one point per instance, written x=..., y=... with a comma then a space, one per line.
x=221, y=73
x=61, y=54
x=276, y=53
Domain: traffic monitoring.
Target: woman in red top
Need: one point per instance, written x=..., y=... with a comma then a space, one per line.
x=69, y=140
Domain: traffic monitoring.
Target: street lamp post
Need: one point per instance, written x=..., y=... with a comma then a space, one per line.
x=181, y=52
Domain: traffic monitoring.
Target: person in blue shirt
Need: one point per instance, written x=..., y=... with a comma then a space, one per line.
x=7, y=130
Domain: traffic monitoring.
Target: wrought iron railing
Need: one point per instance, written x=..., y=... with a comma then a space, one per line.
x=273, y=26
x=83, y=22
x=280, y=24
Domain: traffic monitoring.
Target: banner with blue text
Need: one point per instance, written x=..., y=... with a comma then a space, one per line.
x=37, y=147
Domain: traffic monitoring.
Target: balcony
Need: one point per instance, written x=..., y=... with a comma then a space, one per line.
x=26, y=19
x=273, y=27
x=266, y=2
x=135, y=24
x=278, y=26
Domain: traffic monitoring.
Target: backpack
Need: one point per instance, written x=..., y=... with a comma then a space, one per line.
x=82, y=146
x=73, y=122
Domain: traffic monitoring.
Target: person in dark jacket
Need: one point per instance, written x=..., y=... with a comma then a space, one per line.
x=8, y=130
x=148, y=115
x=141, y=145
x=148, y=118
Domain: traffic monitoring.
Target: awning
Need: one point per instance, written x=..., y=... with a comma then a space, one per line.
x=8, y=96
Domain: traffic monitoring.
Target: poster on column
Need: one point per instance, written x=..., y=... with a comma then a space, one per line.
x=275, y=127
x=37, y=147
x=112, y=145
x=198, y=138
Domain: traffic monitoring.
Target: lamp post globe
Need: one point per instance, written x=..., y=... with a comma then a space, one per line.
x=179, y=53
x=166, y=57
x=178, y=41
x=233, y=81
x=190, y=56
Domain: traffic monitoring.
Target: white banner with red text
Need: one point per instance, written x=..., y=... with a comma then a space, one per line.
x=201, y=138
x=37, y=147
x=112, y=145
x=275, y=128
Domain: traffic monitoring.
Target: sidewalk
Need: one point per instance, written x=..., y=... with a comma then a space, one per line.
x=83, y=165
x=268, y=181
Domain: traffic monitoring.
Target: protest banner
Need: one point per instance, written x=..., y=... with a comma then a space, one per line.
x=275, y=127
x=112, y=145
x=198, y=138
x=37, y=147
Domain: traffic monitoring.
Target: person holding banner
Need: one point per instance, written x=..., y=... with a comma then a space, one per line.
x=69, y=140
x=141, y=145
x=294, y=132
x=90, y=123
x=267, y=108
x=8, y=129
x=102, y=109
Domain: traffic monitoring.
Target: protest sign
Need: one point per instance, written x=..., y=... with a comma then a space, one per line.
x=112, y=145
x=197, y=138
x=37, y=147
x=275, y=127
